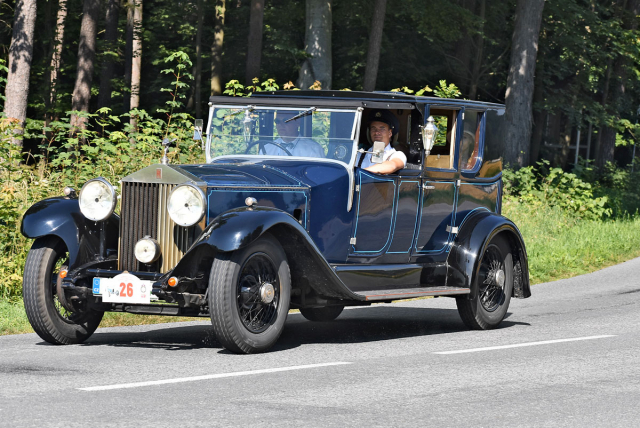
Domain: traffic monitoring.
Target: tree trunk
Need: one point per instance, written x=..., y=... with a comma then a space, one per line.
x=317, y=45
x=86, y=57
x=477, y=61
x=607, y=135
x=56, y=57
x=539, y=113
x=110, y=54
x=519, y=94
x=375, y=42
x=20, y=56
x=216, y=49
x=198, y=75
x=128, y=56
x=136, y=60
x=254, y=53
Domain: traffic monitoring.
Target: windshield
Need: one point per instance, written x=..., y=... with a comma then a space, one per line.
x=268, y=131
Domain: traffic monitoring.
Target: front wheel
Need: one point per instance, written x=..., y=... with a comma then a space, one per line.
x=47, y=315
x=249, y=292
x=494, y=282
x=327, y=313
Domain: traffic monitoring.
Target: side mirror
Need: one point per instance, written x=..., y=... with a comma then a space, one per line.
x=429, y=132
x=377, y=155
x=197, y=130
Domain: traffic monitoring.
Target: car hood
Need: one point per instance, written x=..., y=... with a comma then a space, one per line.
x=211, y=175
x=242, y=175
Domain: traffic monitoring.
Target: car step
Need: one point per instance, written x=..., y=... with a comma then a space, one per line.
x=410, y=293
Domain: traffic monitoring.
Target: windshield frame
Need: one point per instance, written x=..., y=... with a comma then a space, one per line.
x=355, y=131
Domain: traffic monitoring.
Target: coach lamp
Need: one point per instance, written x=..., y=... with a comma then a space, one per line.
x=429, y=132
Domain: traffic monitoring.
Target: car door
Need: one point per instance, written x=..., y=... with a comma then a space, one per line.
x=439, y=185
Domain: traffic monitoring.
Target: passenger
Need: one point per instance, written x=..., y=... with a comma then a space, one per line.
x=383, y=125
x=290, y=138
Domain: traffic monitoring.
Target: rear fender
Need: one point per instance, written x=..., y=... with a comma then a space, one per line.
x=61, y=217
x=238, y=228
x=475, y=233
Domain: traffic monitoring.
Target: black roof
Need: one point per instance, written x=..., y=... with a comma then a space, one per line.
x=330, y=98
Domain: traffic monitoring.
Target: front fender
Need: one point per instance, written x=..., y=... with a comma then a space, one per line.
x=474, y=235
x=61, y=217
x=238, y=228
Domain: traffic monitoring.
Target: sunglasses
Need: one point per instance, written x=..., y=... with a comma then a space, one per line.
x=281, y=121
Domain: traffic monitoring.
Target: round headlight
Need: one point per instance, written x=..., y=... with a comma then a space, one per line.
x=186, y=205
x=97, y=199
x=147, y=250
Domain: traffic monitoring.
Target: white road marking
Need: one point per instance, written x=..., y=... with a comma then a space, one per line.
x=521, y=345
x=207, y=377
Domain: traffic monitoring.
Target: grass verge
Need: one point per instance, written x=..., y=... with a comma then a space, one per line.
x=558, y=245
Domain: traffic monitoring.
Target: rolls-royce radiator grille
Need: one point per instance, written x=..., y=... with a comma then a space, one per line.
x=143, y=211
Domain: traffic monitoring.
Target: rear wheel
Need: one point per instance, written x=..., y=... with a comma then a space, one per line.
x=494, y=282
x=49, y=317
x=249, y=293
x=328, y=313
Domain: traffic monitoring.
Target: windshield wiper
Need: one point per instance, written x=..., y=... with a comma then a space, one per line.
x=299, y=115
x=240, y=110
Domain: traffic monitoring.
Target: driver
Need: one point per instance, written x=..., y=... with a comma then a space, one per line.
x=383, y=125
x=290, y=139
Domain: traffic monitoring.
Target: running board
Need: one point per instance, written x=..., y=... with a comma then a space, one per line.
x=410, y=293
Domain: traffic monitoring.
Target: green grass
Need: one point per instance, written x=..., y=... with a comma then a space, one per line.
x=13, y=319
x=558, y=245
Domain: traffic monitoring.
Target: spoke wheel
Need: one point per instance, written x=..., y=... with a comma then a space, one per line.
x=46, y=313
x=258, y=293
x=494, y=285
x=249, y=291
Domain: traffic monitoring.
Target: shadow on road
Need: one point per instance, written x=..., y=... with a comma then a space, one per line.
x=356, y=325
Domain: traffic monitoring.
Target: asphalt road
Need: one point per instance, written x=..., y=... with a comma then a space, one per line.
x=567, y=356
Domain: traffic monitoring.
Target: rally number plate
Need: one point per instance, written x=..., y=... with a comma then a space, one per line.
x=123, y=288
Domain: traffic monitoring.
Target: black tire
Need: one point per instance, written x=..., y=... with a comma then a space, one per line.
x=47, y=316
x=327, y=313
x=489, y=307
x=243, y=321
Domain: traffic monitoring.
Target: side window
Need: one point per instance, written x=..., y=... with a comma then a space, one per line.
x=470, y=141
x=442, y=154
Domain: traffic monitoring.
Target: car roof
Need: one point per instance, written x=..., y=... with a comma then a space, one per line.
x=331, y=98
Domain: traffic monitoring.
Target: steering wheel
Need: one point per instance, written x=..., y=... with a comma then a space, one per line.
x=250, y=146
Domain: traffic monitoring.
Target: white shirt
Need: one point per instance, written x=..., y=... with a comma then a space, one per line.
x=304, y=147
x=388, y=154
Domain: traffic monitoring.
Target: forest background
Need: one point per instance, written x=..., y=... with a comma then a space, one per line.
x=85, y=79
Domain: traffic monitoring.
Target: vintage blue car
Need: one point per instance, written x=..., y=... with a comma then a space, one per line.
x=283, y=215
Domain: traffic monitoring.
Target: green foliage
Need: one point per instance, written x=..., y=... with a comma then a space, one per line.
x=112, y=146
x=3, y=80
x=443, y=90
x=542, y=187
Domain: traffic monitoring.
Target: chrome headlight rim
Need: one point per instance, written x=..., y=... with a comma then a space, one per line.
x=112, y=191
x=203, y=199
x=152, y=256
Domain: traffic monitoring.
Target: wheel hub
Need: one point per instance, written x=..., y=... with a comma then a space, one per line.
x=267, y=293
x=500, y=278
